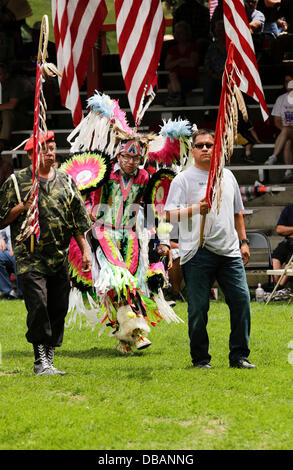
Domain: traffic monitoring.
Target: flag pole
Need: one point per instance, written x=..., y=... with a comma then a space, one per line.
x=203, y=221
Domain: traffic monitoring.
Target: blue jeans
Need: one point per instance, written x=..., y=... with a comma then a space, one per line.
x=200, y=272
x=7, y=266
x=272, y=27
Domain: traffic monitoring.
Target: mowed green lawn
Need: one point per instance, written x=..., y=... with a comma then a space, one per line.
x=154, y=400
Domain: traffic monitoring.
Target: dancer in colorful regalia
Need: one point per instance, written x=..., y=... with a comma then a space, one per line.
x=107, y=166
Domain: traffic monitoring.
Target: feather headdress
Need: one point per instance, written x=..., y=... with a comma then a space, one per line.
x=99, y=129
x=172, y=144
x=106, y=126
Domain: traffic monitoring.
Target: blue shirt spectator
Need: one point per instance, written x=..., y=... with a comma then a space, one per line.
x=7, y=267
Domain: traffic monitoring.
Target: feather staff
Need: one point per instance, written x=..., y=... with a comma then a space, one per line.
x=225, y=133
x=30, y=226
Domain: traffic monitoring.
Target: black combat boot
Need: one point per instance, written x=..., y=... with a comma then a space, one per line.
x=41, y=364
x=50, y=350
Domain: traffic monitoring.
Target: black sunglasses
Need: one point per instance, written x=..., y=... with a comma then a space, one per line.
x=201, y=146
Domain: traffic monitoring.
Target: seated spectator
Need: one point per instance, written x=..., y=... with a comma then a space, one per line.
x=7, y=267
x=16, y=100
x=283, y=120
x=6, y=168
x=12, y=16
x=182, y=65
x=283, y=252
x=197, y=16
x=282, y=47
x=257, y=18
x=214, y=66
x=274, y=23
x=247, y=137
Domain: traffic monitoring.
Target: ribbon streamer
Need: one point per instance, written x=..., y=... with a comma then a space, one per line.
x=225, y=134
x=30, y=226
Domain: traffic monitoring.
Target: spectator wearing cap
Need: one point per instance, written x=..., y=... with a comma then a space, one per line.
x=43, y=272
x=274, y=23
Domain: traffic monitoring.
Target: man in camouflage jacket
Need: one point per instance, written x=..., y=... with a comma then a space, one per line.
x=43, y=273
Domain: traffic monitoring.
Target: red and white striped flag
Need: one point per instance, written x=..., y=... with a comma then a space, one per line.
x=76, y=27
x=140, y=27
x=212, y=6
x=237, y=31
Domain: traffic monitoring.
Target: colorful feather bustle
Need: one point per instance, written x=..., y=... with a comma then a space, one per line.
x=156, y=276
x=172, y=144
x=89, y=170
x=157, y=192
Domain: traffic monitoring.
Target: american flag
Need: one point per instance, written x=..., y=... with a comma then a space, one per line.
x=237, y=32
x=140, y=27
x=212, y=6
x=76, y=28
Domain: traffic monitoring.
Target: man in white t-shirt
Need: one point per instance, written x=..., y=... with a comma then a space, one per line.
x=220, y=257
x=283, y=120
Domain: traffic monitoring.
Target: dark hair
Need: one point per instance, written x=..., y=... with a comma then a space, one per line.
x=202, y=132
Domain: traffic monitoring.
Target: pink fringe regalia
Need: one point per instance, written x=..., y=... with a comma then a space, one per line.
x=122, y=288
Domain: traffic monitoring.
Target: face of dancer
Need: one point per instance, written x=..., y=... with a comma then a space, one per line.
x=129, y=159
x=202, y=151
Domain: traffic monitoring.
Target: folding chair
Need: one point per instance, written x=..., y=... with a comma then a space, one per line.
x=260, y=253
x=287, y=271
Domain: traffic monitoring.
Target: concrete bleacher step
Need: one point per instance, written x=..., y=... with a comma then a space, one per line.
x=260, y=151
x=273, y=198
x=61, y=118
x=263, y=218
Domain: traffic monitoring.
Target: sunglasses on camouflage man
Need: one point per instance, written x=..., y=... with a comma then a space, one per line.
x=201, y=146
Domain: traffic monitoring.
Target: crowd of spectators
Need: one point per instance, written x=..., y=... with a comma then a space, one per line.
x=18, y=54
x=198, y=48
x=270, y=23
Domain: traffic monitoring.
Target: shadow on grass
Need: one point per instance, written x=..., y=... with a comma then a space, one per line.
x=109, y=353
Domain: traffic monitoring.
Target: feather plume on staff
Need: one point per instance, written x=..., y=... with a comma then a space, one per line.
x=225, y=134
x=30, y=226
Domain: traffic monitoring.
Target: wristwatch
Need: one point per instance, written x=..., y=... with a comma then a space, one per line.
x=243, y=241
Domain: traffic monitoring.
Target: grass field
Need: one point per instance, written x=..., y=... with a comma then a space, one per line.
x=154, y=400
